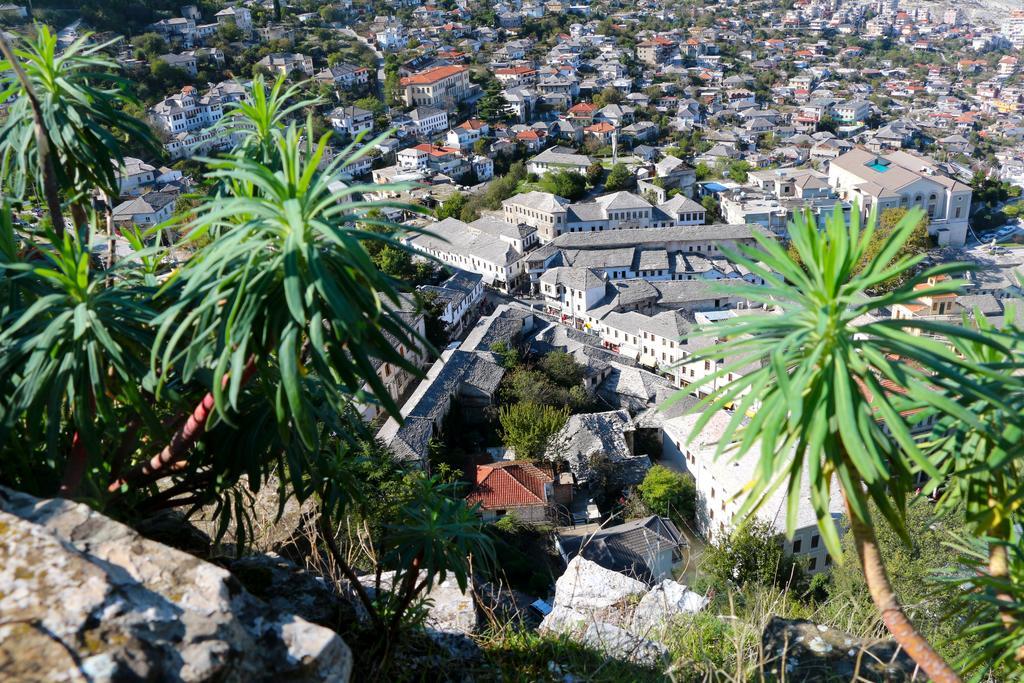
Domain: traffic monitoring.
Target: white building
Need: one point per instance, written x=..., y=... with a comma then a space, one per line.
x=554, y=216
x=1013, y=29
x=903, y=179
x=428, y=120
x=720, y=480
x=239, y=16
x=475, y=249
x=135, y=177
x=284, y=63
x=556, y=159
x=351, y=120
x=187, y=111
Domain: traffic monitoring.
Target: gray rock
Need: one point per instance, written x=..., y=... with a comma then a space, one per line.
x=287, y=588
x=621, y=644
x=452, y=617
x=587, y=586
x=811, y=652
x=666, y=600
x=86, y=598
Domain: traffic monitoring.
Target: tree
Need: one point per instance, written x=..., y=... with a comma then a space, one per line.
x=154, y=387
x=703, y=171
x=619, y=178
x=594, y=174
x=713, y=210
x=913, y=570
x=827, y=124
x=609, y=95
x=568, y=184
x=562, y=369
x=528, y=427
x=824, y=382
x=432, y=307
x=670, y=494
x=753, y=553
x=451, y=207
x=150, y=44
x=981, y=457
x=738, y=171
x=493, y=107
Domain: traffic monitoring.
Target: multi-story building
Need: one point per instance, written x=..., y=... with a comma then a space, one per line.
x=555, y=159
x=188, y=119
x=443, y=87
x=720, y=479
x=424, y=157
x=344, y=75
x=134, y=177
x=428, y=120
x=239, y=16
x=351, y=120
x=852, y=111
x=187, y=111
x=902, y=179
x=285, y=63
x=478, y=248
x=1013, y=29
x=554, y=216
x=465, y=135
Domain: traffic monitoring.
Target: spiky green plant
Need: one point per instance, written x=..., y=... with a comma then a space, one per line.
x=838, y=386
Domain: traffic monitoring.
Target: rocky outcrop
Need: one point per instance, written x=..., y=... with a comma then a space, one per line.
x=664, y=602
x=451, y=617
x=615, y=613
x=802, y=651
x=85, y=598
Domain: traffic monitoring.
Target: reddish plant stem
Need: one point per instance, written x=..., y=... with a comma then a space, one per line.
x=74, y=471
x=893, y=616
x=183, y=439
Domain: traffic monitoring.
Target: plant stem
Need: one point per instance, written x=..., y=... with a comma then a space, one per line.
x=75, y=468
x=999, y=568
x=46, y=165
x=893, y=616
x=327, y=531
x=408, y=592
x=183, y=439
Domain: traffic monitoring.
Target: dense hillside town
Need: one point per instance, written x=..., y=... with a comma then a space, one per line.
x=574, y=215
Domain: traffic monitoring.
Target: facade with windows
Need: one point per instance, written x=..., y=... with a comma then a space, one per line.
x=719, y=480
x=904, y=180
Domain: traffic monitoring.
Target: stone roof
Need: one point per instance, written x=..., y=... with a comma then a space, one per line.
x=631, y=548
x=598, y=435
x=673, y=325
x=573, y=278
x=622, y=238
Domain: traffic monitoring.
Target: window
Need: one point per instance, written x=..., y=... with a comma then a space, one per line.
x=814, y=564
x=814, y=540
x=797, y=545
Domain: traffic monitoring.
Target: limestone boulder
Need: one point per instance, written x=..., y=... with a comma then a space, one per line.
x=85, y=598
x=664, y=602
x=804, y=652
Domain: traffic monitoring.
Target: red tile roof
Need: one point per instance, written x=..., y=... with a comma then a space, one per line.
x=509, y=484
x=432, y=75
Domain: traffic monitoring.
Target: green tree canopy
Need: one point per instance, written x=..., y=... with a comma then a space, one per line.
x=619, y=178
x=528, y=427
x=670, y=494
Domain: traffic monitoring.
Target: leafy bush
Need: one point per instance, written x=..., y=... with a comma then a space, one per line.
x=527, y=427
x=752, y=554
x=670, y=494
